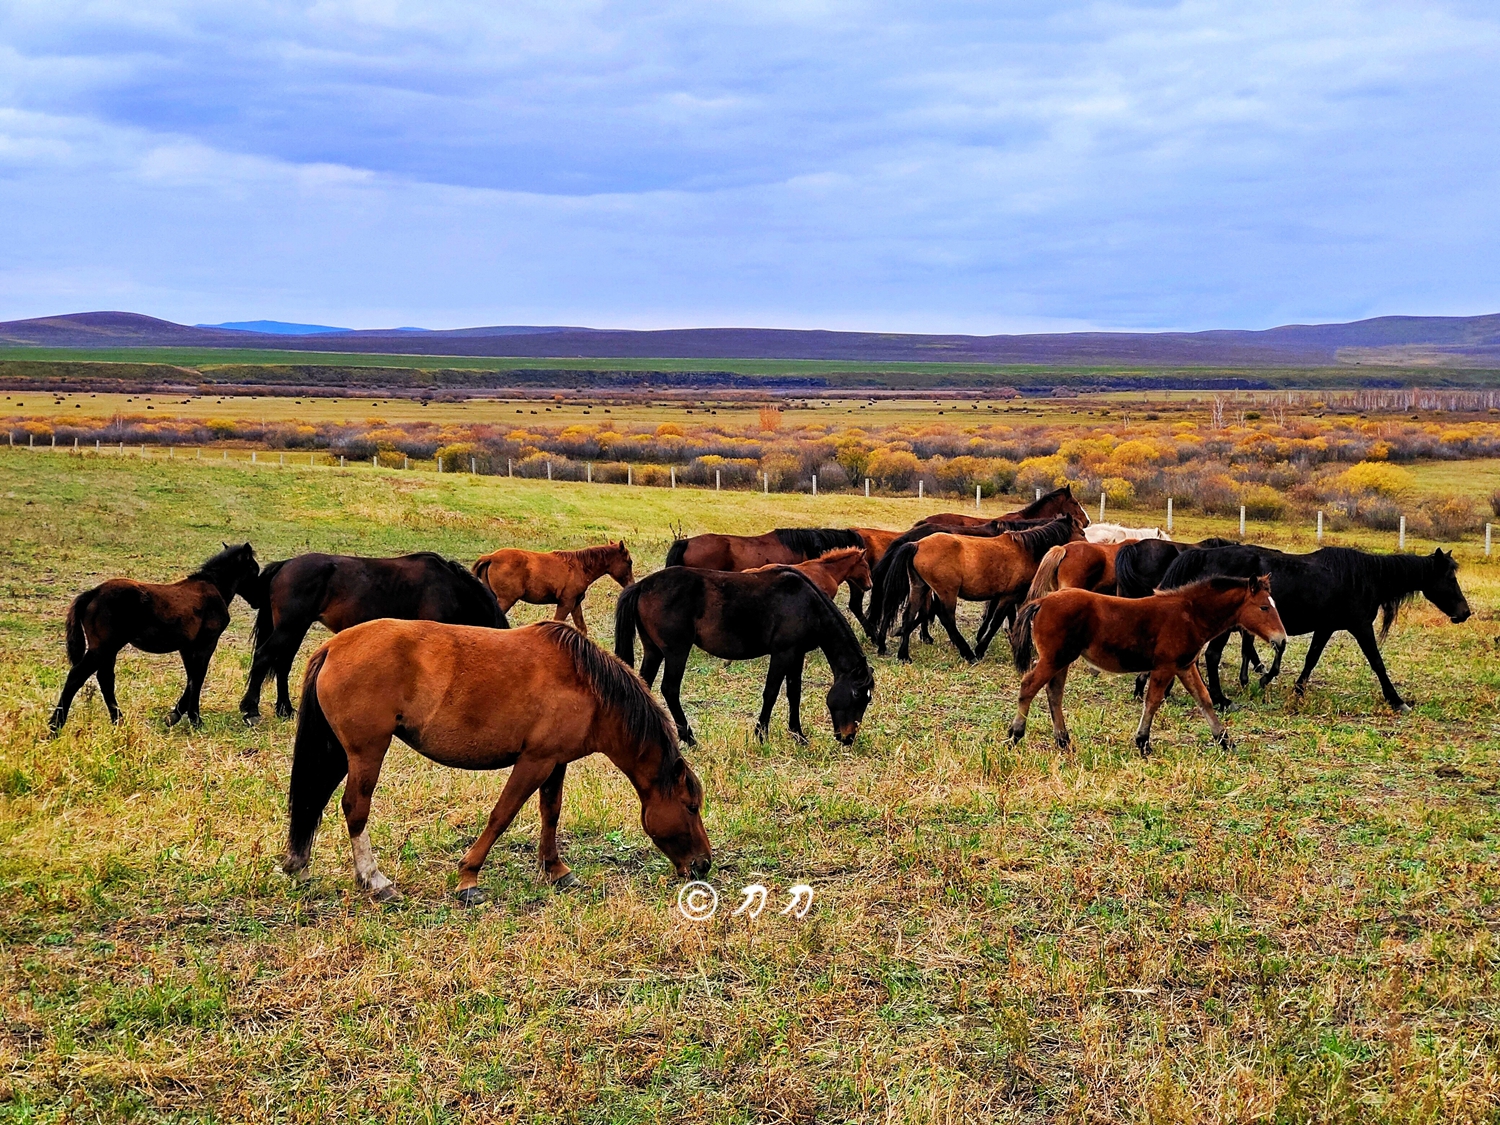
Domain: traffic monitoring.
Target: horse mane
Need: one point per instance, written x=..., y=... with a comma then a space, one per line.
x=1196, y=564
x=466, y=580
x=215, y=565
x=1364, y=570
x=837, y=620
x=840, y=554
x=1040, y=502
x=621, y=689
x=1135, y=577
x=814, y=541
x=589, y=556
x=1037, y=541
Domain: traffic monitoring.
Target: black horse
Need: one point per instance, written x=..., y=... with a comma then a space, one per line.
x=345, y=590
x=1331, y=589
x=186, y=617
x=740, y=615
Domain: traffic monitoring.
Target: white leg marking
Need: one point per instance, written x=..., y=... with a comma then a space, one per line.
x=366, y=869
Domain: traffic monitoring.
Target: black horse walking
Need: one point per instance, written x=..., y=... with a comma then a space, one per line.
x=1331, y=589
x=186, y=617
x=345, y=590
x=740, y=615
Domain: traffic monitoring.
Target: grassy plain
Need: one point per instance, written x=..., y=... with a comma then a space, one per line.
x=1303, y=928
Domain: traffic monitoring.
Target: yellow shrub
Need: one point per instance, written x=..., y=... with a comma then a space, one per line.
x=1377, y=477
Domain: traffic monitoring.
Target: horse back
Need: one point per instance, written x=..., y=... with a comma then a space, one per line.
x=154, y=617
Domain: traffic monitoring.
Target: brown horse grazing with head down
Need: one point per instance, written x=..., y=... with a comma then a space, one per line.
x=186, y=617
x=560, y=578
x=1079, y=565
x=533, y=699
x=942, y=568
x=828, y=572
x=1161, y=635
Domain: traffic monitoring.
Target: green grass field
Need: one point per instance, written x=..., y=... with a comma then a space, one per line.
x=1302, y=928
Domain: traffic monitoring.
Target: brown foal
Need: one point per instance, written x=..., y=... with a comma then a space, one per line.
x=828, y=573
x=560, y=578
x=1160, y=635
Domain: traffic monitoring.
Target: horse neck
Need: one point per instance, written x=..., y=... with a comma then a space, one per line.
x=222, y=581
x=840, y=647
x=1216, y=610
x=639, y=760
x=1397, y=576
x=593, y=561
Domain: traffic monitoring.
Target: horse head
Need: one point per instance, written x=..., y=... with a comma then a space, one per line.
x=621, y=566
x=1258, y=614
x=847, y=700
x=1440, y=586
x=671, y=814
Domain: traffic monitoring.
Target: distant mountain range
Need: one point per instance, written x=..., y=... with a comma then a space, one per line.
x=1405, y=341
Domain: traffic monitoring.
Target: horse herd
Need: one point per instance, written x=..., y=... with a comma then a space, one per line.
x=423, y=651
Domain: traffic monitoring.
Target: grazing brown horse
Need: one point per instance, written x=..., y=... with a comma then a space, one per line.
x=1079, y=565
x=743, y=552
x=944, y=567
x=1161, y=635
x=533, y=699
x=560, y=578
x=828, y=572
x=344, y=590
x=186, y=617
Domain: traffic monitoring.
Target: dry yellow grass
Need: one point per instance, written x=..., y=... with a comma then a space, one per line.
x=1302, y=928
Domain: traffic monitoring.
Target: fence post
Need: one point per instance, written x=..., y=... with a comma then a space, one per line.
x=1169, y=515
x=98, y=445
x=406, y=462
x=1320, y=527
x=1401, y=536
x=440, y=464
x=283, y=460
x=976, y=497
x=510, y=467
x=341, y=460
x=474, y=466
x=867, y=488
x=591, y=472
x=672, y=469
x=225, y=452
x=629, y=473
x=54, y=441
x=122, y=449
x=253, y=455
x=718, y=481
x=766, y=477
x=815, y=484
x=549, y=470
x=75, y=445
x=1101, y=506
x=374, y=460
x=1487, y=539
x=31, y=442
x=1242, y=521
x=920, y=485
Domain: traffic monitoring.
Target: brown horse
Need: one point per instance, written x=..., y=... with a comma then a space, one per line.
x=1161, y=635
x=946, y=567
x=876, y=541
x=787, y=545
x=1079, y=565
x=533, y=699
x=560, y=578
x=828, y=572
x=186, y=617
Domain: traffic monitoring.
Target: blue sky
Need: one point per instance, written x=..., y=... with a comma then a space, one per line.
x=981, y=167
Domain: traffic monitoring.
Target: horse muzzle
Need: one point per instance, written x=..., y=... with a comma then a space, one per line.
x=847, y=739
x=699, y=867
x=1462, y=616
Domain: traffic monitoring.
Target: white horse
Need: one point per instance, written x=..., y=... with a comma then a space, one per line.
x=1116, y=533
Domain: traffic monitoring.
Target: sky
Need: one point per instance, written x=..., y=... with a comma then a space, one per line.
x=928, y=167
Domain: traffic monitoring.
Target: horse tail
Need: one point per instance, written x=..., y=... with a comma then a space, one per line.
x=78, y=644
x=897, y=584
x=264, y=624
x=1045, y=580
x=482, y=570
x=1388, y=613
x=319, y=763
x=676, y=552
x=626, y=620
x=1021, y=648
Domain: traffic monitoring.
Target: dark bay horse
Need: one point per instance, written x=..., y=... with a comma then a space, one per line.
x=940, y=569
x=1160, y=635
x=744, y=552
x=1330, y=589
x=740, y=616
x=345, y=590
x=560, y=578
x=1056, y=503
x=186, y=617
x=533, y=699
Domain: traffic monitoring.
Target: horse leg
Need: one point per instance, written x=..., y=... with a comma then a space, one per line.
x=671, y=689
x=1248, y=656
x=650, y=661
x=364, y=772
x=995, y=614
x=274, y=656
x=794, y=698
x=775, y=674
x=908, y=622
x=1314, y=651
x=1275, y=669
x=1211, y=657
x=1039, y=677
x=1364, y=633
x=1157, y=683
x=180, y=708
x=1140, y=685
x=946, y=614
x=106, y=678
x=197, y=665
x=1055, y=688
x=857, y=607
x=925, y=619
x=77, y=676
x=526, y=777
x=578, y=616
x=549, y=801
x=1194, y=683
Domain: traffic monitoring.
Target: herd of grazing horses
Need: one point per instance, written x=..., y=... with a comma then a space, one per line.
x=423, y=650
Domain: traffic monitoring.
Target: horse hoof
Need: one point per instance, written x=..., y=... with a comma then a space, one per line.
x=567, y=882
x=1404, y=709
x=761, y=733
x=173, y=718
x=252, y=718
x=472, y=896
x=1144, y=746
x=1224, y=706
x=284, y=712
x=387, y=895
x=799, y=738
x=1064, y=743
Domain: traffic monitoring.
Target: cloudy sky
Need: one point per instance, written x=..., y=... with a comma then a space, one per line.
x=933, y=166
